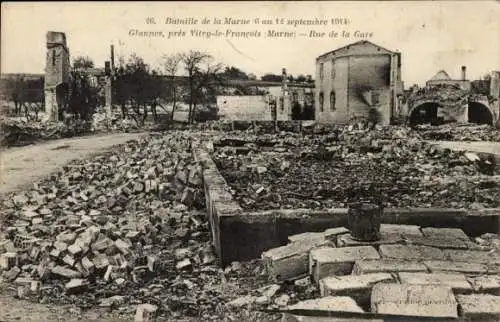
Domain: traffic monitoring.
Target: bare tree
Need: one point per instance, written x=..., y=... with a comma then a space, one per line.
x=192, y=61
x=207, y=82
x=171, y=64
x=83, y=62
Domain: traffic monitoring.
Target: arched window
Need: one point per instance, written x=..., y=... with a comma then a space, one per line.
x=53, y=57
x=321, y=101
x=333, y=69
x=321, y=71
x=332, y=101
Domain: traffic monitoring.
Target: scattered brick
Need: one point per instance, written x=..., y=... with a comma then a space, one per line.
x=65, y=272
x=337, y=261
x=146, y=313
x=11, y=274
x=76, y=285
x=435, y=301
x=291, y=261
x=8, y=260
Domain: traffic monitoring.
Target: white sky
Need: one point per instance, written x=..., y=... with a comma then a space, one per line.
x=431, y=35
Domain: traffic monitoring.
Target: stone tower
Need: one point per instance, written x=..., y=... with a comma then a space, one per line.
x=57, y=69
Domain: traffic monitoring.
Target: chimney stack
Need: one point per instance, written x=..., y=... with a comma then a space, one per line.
x=284, y=79
x=112, y=58
x=464, y=73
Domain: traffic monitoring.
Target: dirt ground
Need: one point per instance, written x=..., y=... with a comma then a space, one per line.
x=486, y=147
x=21, y=166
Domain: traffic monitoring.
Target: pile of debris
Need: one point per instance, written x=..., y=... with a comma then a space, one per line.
x=462, y=132
x=18, y=132
x=293, y=171
x=335, y=274
x=126, y=227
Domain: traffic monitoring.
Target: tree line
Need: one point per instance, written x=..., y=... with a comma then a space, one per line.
x=193, y=78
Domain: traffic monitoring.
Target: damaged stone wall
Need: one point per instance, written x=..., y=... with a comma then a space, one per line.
x=56, y=73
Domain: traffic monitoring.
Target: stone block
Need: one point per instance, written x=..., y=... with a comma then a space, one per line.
x=357, y=286
x=74, y=249
x=455, y=267
x=434, y=301
x=325, y=262
x=8, y=260
x=410, y=252
x=485, y=284
x=471, y=256
x=291, y=261
x=328, y=304
x=479, y=307
x=11, y=274
x=146, y=313
x=456, y=281
x=123, y=246
x=76, y=285
x=439, y=242
x=102, y=244
x=444, y=233
x=384, y=265
x=100, y=261
x=346, y=240
x=68, y=259
x=327, y=234
x=65, y=272
x=390, y=231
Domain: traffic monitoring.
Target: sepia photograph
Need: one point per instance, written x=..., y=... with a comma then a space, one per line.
x=275, y=161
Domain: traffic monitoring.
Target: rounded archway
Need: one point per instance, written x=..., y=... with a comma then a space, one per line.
x=479, y=113
x=424, y=114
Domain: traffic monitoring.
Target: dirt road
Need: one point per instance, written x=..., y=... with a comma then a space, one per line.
x=21, y=166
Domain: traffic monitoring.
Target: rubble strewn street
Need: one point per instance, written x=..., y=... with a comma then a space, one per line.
x=391, y=165
x=126, y=230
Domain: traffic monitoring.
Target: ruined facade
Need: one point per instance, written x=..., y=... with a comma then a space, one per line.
x=447, y=100
x=282, y=102
x=357, y=82
x=57, y=74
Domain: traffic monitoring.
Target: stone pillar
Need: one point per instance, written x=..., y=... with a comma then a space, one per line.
x=51, y=107
x=108, y=96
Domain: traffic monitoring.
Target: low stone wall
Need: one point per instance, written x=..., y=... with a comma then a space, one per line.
x=239, y=235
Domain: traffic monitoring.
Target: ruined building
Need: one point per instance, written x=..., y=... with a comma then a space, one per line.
x=447, y=100
x=360, y=81
x=283, y=101
x=57, y=70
